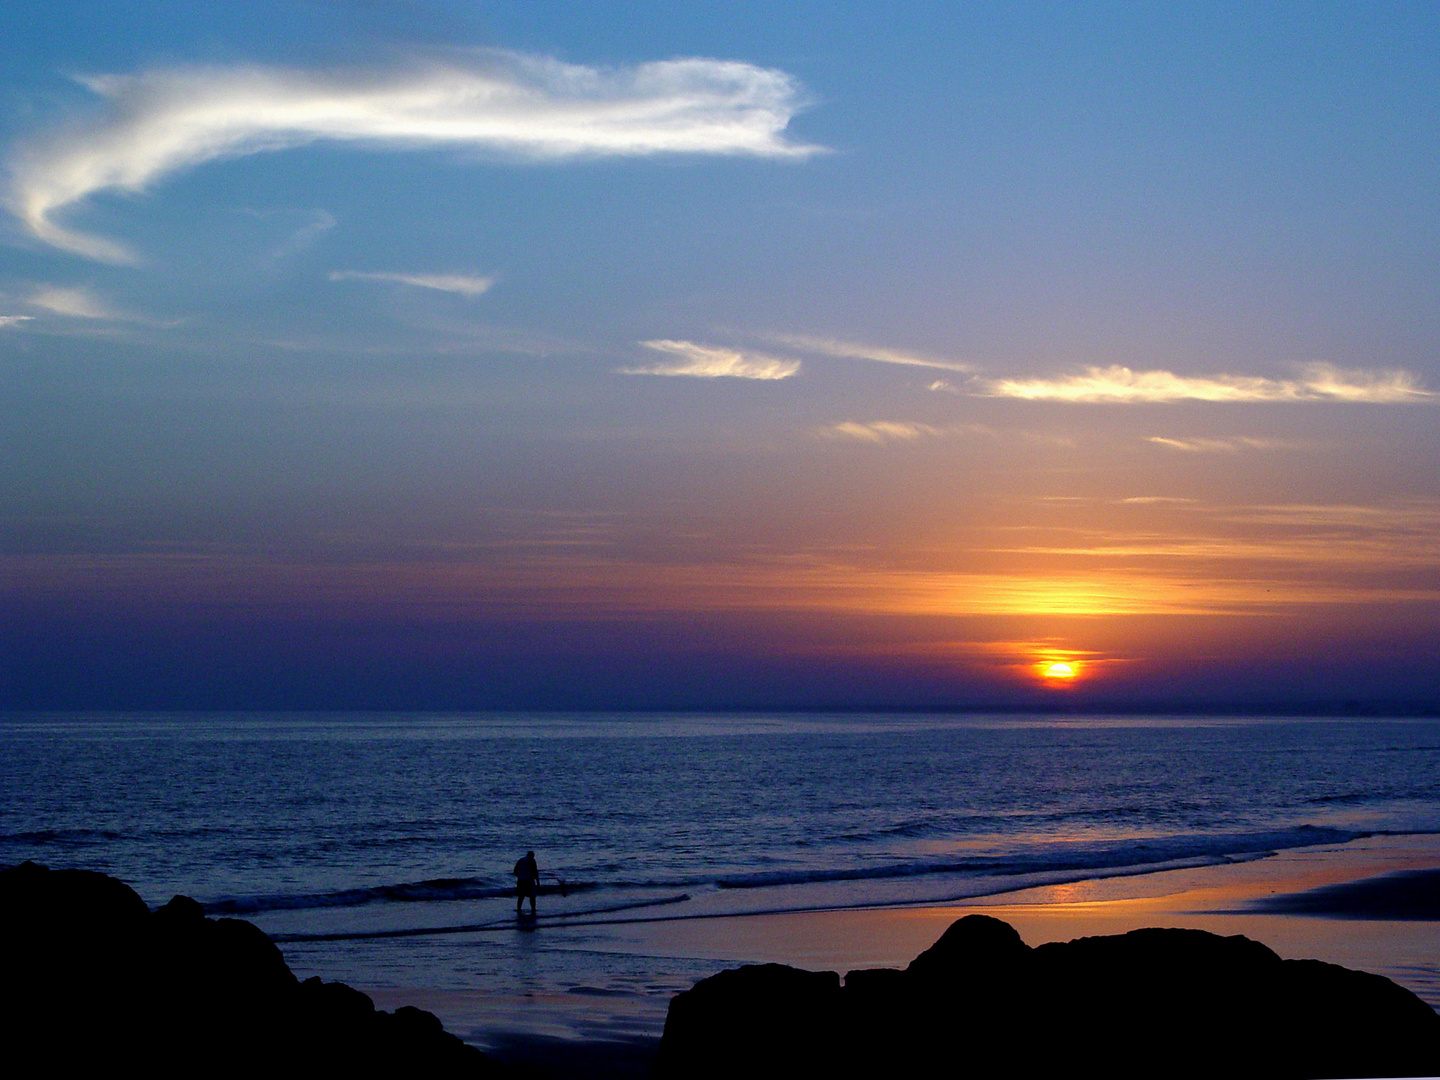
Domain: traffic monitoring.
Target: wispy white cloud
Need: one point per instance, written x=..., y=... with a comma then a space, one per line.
x=321, y=221
x=14, y=320
x=165, y=120
x=1314, y=382
x=850, y=350
x=1218, y=446
x=1147, y=500
x=314, y=223
x=880, y=431
x=464, y=284
x=75, y=303
x=709, y=362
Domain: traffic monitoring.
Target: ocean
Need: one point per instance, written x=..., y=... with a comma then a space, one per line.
x=377, y=849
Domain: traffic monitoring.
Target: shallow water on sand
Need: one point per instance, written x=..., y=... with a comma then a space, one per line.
x=321, y=826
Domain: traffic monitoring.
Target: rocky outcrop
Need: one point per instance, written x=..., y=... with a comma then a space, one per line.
x=93, y=981
x=779, y=1016
x=980, y=1002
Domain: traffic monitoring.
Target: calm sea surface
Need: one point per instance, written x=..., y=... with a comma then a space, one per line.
x=355, y=824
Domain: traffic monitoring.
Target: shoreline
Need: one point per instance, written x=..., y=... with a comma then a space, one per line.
x=1367, y=906
x=1227, y=899
x=806, y=896
x=205, y=981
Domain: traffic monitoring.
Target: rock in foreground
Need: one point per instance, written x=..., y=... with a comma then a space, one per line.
x=982, y=1003
x=94, y=981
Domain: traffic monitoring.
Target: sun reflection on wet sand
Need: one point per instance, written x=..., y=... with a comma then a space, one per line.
x=1212, y=898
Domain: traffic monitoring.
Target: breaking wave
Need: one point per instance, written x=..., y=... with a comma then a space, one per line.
x=1100, y=859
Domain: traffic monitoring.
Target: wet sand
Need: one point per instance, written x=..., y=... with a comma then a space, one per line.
x=1368, y=905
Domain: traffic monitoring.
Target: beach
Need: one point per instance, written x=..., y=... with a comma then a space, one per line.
x=978, y=997
x=616, y=1033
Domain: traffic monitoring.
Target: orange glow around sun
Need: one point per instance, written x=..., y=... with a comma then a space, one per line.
x=1058, y=671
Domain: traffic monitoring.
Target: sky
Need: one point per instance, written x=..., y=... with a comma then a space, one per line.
x=447, y=355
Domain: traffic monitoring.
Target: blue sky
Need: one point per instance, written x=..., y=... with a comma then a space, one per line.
x=718, y=354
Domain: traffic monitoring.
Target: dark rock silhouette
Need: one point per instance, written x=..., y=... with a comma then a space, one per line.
x=718, y=1024
x=93, y=981
x=980, y=1002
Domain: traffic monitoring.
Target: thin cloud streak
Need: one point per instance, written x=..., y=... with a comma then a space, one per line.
x=463, y=284
x=1217, y=446
x=321, y=222
x=162, y=121
x=880, y=431
x=1421, y=517
x=849, y=350
x=1356, y=554
x=884, y=432
x=709, y=362
x=1115, y=384
x=1365, y=540
x=14, y=320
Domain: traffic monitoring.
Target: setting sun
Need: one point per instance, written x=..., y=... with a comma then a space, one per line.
x=1060, y=672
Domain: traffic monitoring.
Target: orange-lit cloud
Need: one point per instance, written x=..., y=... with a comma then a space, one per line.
x=1116, y=384
x=1332, y=539
x=559, y=585
x=1091, y=558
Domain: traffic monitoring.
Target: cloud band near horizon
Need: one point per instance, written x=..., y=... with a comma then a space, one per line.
x=166, y=120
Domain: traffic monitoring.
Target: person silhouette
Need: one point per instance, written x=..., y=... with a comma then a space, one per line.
x=527, y=881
